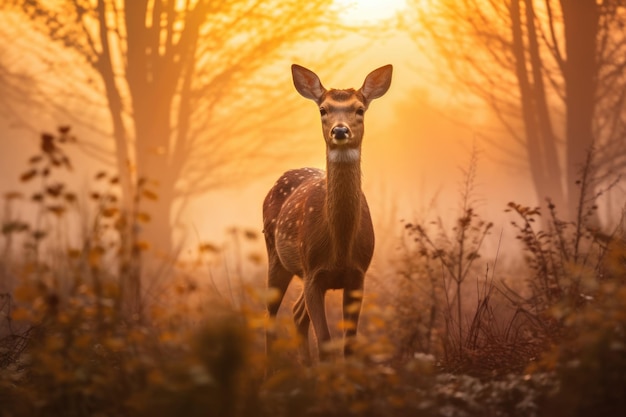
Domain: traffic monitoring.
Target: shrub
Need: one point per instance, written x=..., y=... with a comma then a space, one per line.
x=70, y=346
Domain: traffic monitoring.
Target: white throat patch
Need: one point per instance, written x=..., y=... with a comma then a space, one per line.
x=344, y=155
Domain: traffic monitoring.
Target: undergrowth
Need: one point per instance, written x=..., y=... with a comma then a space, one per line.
x=454, y=339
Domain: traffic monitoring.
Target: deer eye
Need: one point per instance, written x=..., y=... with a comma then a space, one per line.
x=323, y=111
x=360, y=112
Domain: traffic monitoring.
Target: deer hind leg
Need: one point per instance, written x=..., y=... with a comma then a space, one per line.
x=302, y=320
x=314, y=300
x=352, y=300
x=278, y=279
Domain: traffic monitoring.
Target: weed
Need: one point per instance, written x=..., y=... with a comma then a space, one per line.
x=455, y=340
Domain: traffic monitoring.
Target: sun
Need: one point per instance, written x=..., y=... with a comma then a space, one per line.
x=368, y=11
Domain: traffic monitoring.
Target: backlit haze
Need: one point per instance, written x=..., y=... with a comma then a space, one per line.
x=419, y=137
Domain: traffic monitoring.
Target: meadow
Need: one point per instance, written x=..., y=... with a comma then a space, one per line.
x=89, y=326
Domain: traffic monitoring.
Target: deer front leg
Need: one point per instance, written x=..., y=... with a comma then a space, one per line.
x=314, y=300
x=352, y=300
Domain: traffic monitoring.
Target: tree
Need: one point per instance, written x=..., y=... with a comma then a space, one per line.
x=187, y=108
x=553, y=70
x=179, y=82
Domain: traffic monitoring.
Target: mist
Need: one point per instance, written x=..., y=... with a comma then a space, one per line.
x=140, y=140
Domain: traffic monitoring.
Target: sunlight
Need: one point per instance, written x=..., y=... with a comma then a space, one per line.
x=371, y=11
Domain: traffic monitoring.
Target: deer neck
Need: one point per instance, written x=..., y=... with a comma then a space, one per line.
x=343, y=200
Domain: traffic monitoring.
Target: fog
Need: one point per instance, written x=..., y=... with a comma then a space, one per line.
x=419, y=139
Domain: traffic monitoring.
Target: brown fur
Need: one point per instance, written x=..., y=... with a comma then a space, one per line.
x=317, y=224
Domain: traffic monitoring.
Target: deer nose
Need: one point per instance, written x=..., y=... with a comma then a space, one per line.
x=340, y=132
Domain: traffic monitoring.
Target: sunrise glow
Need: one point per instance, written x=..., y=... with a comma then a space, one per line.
x=355, y=12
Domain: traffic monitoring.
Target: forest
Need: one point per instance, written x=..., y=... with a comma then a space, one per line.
x=141, y=138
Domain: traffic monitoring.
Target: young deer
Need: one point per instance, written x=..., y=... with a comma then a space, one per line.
x=317, y=225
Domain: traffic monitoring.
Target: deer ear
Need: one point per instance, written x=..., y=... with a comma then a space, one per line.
x=307, y=83
x=377, y=83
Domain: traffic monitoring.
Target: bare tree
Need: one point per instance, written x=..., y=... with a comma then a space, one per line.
x=187, y=108
x=550, y=70
x=178, y=77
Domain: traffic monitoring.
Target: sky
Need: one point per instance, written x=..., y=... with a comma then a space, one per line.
x=419, y=138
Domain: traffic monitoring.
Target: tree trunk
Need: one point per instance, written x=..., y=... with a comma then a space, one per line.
x=548, y=154
x=129, y=276
x=540, y=148
x=581, y=25
x=152, y=129
x=152, y=74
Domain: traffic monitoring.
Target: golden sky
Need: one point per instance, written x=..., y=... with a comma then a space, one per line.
x=417, y=136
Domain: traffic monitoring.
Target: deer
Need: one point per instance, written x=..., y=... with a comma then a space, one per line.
x=317, y=224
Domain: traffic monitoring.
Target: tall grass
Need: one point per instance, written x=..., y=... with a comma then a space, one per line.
x=455, y=339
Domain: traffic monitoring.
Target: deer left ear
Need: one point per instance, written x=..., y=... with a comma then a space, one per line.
x=307, y=83
x=377, y=83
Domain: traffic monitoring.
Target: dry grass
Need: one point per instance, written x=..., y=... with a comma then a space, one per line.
x=453, y=339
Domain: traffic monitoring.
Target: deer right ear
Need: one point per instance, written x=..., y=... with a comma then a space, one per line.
x=307, y=83
x=377, y=83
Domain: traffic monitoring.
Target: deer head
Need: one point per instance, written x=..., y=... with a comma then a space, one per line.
x=342, y=111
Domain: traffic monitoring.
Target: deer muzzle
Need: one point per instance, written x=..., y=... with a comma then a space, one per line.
x=340, y=133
